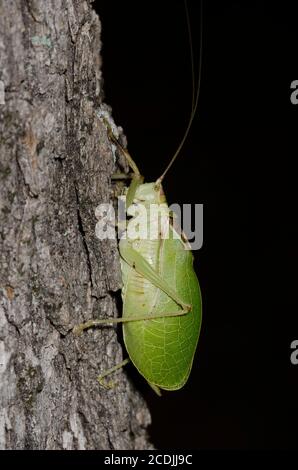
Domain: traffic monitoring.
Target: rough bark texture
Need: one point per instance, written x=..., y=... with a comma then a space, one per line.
x=55, y=168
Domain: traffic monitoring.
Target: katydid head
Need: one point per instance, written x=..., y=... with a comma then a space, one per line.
x=150, y=193
x=144, y=193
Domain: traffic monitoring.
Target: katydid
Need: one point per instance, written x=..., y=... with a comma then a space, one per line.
x=162, y=310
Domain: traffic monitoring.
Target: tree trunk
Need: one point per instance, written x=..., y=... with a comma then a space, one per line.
x=55, y=168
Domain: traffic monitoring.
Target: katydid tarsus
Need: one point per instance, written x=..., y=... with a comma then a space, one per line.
x=161, y=315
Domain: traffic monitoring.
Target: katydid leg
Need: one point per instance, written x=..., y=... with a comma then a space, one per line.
x=77, y=330
x=141, y=265
x=101, y=377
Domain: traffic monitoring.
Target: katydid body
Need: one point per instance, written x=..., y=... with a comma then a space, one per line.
x=162, y=307
x=162, y=349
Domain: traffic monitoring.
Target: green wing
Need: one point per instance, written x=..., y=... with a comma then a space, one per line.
x=163, y=349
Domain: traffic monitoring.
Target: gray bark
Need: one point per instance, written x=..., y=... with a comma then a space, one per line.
x=55, y=168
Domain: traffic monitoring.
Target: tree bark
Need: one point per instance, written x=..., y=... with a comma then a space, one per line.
x=55, y=167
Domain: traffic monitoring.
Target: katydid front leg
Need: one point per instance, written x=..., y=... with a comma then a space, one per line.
x=136, y=177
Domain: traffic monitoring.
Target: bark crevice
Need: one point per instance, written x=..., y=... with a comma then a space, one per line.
x=82, y=232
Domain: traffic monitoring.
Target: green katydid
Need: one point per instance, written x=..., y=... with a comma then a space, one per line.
x=161, y=296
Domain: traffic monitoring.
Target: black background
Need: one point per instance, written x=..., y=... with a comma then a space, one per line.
x=239, y=161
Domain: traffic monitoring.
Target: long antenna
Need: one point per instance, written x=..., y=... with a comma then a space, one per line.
x=195, y=95
x=191, y=55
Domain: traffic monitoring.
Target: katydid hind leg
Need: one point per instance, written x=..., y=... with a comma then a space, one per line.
x=141, y=265
x=138, y=262
x=78, y=329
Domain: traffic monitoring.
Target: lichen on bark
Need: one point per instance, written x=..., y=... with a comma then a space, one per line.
x=55, y=168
